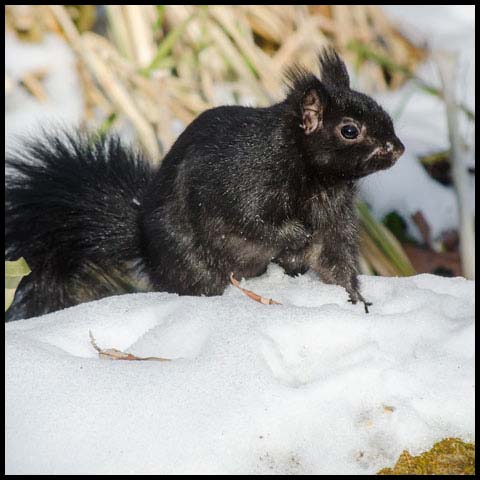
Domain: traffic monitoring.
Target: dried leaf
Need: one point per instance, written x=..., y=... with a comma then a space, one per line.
x=114, y=354
x=429, y=261
x=422, y=224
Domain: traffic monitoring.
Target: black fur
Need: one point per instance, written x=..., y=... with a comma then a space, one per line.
x=70, y=210
x=239, y=188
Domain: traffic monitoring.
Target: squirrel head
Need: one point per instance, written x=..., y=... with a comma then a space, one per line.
x=345, y=132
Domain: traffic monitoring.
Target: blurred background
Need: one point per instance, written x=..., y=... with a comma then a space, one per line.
x=146, y=71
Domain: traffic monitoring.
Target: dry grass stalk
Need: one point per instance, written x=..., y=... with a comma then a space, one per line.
x=298, y=41
x=178, y=14
x=141, y=33
x=120, y=97
x=32, y=81
x=252, y=295
x=114, y=354
x=271, y=22
x=85, y=47
x=226, y=18
x=375, y=257
x=233, y=57
x=399, y=252
x=94, y=97
x=119, y=31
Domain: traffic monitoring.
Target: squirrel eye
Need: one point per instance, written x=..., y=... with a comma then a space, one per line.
x=350, y=132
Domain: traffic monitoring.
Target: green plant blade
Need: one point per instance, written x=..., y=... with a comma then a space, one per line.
x=14, y=272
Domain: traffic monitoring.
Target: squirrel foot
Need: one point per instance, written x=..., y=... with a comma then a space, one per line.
x=359, y=297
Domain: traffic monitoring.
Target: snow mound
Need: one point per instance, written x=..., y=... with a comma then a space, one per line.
x=312, y=386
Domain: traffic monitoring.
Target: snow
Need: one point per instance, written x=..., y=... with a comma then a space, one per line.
x=24, y=114
x=420, y=119
x=306, y=387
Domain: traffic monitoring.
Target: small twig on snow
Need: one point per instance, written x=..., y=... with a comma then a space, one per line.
x=252, y=295
x=114, y=354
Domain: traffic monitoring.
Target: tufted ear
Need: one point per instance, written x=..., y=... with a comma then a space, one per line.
x=333, y=70
x=309, y=95
x=312, y=111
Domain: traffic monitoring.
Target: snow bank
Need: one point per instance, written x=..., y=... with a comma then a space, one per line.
x=312, y=386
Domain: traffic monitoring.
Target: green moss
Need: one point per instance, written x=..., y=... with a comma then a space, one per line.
x=451, y=456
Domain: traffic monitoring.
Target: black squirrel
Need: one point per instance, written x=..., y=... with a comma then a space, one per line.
x=241, y=187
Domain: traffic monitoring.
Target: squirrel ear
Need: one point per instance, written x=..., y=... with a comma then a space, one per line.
x=312, y=112
x=333, y=70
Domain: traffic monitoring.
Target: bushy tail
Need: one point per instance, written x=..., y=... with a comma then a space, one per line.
x=72, y=210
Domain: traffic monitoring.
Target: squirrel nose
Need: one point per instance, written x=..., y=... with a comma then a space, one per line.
x=399, y=148
x=396, y=149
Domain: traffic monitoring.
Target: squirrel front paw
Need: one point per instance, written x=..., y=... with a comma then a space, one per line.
x=357, y=296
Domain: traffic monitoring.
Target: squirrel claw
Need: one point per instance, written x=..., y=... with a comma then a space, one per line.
x=366, y=305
